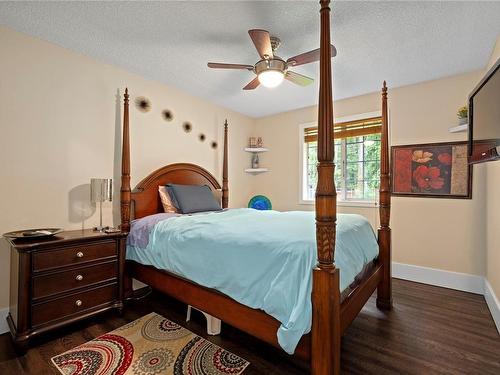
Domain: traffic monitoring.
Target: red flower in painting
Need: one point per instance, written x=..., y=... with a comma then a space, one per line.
x=428, y=177
x=445, y=158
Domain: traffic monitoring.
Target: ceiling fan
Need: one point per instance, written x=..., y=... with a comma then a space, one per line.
x=272, y=69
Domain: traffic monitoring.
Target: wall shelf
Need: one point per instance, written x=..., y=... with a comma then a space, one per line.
x=459, y=128
x=256, y=170
x=256, y=149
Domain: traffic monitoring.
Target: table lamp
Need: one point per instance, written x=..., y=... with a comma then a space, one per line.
x=101, y=190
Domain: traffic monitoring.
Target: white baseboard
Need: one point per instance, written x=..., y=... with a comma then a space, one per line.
x=432, y=276
x=493, y=303
x=4, y=327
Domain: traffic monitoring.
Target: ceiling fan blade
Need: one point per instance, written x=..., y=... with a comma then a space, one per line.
x=254, y=83
x=262, y=42
x=229, y=66
x=309, y=57
x=298, y=79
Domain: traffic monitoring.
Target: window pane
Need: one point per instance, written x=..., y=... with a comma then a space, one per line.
x=338, y=176
x=338, y=152
x=354, y=140
x=371, y=170
x=354, y=189
x=372, y=137
x=370, y=190
x=358, y=176
x=354, y=149
x=354, y=172
x=371, y=145
x=312, y=173
x=363, y=167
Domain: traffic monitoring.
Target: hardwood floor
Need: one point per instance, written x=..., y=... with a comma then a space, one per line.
x=431, y=330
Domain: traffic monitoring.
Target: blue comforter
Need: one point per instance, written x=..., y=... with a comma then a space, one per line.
x=262, y=259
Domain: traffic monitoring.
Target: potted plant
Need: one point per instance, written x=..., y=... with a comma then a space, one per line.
x=463, y=115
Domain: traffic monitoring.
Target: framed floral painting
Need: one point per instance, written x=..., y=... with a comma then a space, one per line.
x=437, y=170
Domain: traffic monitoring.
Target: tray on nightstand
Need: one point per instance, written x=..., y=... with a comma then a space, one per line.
x=33, y=233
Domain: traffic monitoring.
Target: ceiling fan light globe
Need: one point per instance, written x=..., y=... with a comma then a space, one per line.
x=271, y=78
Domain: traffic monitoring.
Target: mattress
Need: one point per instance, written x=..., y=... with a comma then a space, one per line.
x=262, y=259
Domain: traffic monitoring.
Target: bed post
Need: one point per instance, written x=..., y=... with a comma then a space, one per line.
x=384, y=290
x=225, y=188
x=125, y=187
x=325, y=332
x=125, y=191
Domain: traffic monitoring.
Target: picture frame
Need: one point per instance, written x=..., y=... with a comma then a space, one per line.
x=431, y=170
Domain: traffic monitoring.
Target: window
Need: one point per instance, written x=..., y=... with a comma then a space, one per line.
x=357, y=160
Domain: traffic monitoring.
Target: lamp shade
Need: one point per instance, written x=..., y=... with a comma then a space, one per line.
x=101, y=189
x=270, y=78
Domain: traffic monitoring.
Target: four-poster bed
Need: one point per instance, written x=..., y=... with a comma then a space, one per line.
x=330, y=315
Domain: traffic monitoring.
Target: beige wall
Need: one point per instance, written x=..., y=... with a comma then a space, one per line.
x=438, y=233
x=493, y=210
x=60, y=126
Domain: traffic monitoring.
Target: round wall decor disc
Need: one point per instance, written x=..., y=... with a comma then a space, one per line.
x=260, y=202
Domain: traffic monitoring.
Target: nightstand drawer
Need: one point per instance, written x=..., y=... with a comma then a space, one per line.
x=73, y=255
x=47, y=285
x=73, y=304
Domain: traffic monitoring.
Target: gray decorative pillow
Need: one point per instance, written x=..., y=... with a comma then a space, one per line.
x=192, y=198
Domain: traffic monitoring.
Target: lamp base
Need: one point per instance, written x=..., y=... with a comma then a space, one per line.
x=100, y=228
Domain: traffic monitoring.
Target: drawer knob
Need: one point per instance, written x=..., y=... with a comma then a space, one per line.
x=79, y=277
x=78, y=302
x=79, y=254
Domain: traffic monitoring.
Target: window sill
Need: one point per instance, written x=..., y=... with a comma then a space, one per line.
x=368, y=204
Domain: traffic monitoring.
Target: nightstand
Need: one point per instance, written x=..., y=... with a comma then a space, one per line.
x=58, y=280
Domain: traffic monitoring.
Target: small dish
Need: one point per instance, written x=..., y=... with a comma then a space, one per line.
x=33, y=233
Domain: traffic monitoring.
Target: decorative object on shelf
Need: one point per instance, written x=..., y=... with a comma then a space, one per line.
x=101, y=190
x=260, y=202
x=187, y=127
x=33, y=233
x=143, y=104
x=202, y=137
x=167, y=115
x=438, y=170
x=255, y=151
x=213, y=144
x=260, y=144
x=252, y=142
x=463, y=115
x=255, y=161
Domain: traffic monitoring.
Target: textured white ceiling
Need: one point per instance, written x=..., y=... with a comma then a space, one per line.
x=402, y=42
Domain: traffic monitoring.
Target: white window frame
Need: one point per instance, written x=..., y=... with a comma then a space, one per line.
x=303, y=163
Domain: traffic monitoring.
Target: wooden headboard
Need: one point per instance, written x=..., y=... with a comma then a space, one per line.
x=145, y=196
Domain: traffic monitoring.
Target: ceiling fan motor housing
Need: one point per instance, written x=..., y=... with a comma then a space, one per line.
x=270, y=64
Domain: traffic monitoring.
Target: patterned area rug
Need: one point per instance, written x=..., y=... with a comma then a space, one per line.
x=149, y=345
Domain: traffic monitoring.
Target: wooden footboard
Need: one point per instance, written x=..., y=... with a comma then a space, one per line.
x=252, y=321
x=255, y=322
